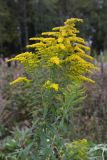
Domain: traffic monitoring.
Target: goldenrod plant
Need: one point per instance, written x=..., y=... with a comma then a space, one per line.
x=57, y=67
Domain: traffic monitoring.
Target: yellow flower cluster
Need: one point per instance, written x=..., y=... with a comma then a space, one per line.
x=61, y=47
x=51, y=85
x=22, y=57
x=83, y=78
x=28, y=59
x=54, y=86
x=20, y=79
x=55, y=60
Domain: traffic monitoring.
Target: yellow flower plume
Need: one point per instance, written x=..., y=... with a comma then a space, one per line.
x=20, y=79
x=55, y=60
x=48, y=84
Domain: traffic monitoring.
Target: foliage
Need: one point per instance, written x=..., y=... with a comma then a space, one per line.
x=78, y=150
x=23, y=145
x=98, y=152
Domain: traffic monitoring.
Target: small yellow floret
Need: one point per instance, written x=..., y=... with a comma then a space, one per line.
x=54, y=86
x=55, y=60
x=51, y=85
x=20, y=79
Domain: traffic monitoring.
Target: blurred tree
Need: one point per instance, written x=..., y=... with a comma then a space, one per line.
x=21, y=19
x=3, y=15
x=8, y=28
x=44, y=15
x=98, y=23
x=24, y=19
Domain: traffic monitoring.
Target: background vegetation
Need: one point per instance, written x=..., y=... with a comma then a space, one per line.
x=22, y=19
x=84, y=129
